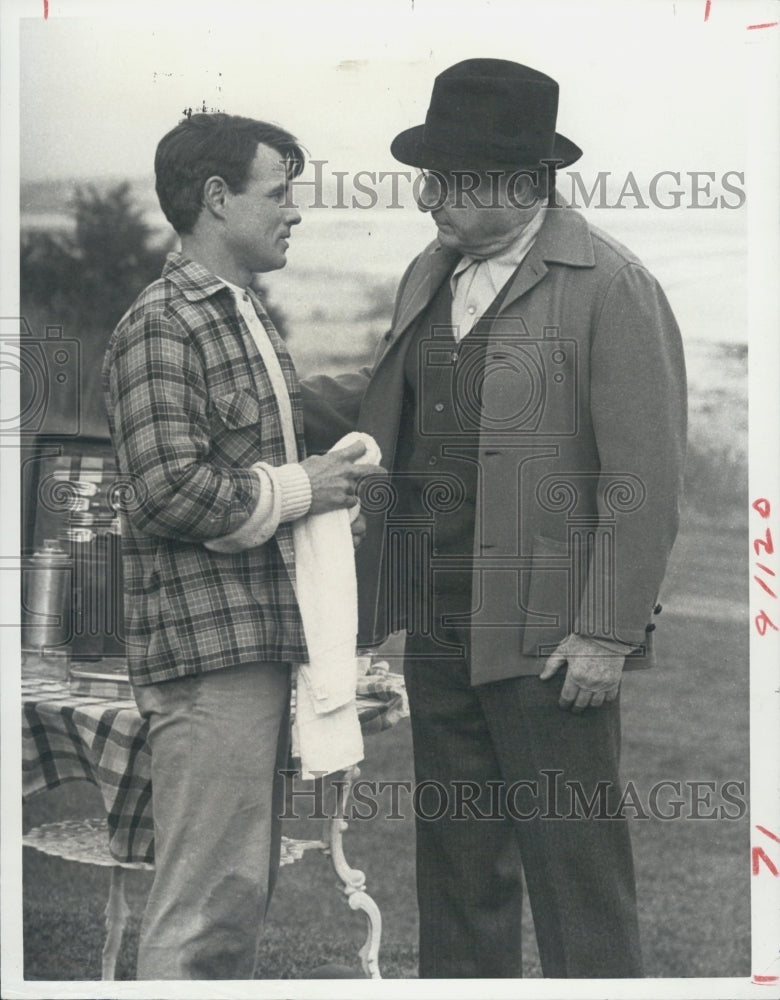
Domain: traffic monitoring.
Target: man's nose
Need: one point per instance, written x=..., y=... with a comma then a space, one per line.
x=293, y=216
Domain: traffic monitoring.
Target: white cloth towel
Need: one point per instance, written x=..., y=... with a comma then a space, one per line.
x=327, y=730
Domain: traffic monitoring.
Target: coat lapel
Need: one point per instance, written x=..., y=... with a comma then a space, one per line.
x=563, y=239
x=429, y=272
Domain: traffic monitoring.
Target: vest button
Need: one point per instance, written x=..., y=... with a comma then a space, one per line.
x=439, y=407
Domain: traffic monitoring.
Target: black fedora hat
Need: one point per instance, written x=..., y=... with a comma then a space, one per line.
x=484, y=114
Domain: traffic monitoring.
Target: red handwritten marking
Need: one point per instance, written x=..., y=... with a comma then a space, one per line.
x=764, y=980
x=757, y=855
x=767, y=545
x=45, y=9
x=763, y=621
x=761, y=584
x=769, y=24
x=762, y=507
x=707, y=6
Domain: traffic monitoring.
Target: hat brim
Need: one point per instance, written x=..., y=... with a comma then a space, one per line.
x=409, y=147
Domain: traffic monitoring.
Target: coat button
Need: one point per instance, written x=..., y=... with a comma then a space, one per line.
x=439, y=407
x=650, y=628
x=432, y=460
x=658, y=609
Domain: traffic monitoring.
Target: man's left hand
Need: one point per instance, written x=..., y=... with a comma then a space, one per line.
x=593, y=674
x=359, y=527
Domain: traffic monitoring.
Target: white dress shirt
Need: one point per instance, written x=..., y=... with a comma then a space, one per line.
x=476, y=282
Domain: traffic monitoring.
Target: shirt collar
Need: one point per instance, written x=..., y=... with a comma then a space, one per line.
x=239, y=292
x=193, y=280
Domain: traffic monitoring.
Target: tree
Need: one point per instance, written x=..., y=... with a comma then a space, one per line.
x=85, y=280
x=89, y=277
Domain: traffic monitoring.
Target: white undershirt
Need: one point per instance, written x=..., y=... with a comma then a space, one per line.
x=271, y=361
x=285, y=490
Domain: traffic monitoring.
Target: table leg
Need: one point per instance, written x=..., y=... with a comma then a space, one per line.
x=117, y=912
x=354, y=880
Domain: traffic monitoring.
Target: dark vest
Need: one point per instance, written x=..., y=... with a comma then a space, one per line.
x=436, y=475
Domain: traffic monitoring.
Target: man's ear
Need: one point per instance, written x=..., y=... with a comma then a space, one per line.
x=215, y=192
x=524, y=188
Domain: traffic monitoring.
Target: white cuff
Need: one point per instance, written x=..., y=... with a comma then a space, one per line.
x=285, y=494
x=295, y=489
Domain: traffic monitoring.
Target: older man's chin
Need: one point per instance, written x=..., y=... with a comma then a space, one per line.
x=447, y=236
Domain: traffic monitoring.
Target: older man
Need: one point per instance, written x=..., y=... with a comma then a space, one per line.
x=204, y=411
x=530, y=400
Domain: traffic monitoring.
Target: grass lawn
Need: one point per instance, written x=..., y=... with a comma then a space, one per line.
x=687, y=721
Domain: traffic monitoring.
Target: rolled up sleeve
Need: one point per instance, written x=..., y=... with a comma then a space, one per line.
x=285, y=495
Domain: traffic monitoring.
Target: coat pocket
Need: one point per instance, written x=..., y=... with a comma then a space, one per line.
x=550, y=602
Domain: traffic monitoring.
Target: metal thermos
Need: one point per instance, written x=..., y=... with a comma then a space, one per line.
x=46, y=607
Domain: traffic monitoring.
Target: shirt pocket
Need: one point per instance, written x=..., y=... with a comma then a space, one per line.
x=238, y=408
x=243, y=428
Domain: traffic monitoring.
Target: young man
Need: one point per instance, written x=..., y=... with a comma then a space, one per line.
x=530, y=402
x=204, y=411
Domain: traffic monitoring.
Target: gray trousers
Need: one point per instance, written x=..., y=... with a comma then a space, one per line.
x=218, y=740
x=472, y=745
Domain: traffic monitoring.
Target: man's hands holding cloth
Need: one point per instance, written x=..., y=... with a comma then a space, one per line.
x=593, y=674
x=334, y=481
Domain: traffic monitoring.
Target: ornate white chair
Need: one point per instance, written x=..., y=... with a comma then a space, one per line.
x=86, y=841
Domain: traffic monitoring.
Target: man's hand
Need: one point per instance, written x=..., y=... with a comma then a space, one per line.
x=359, y=528
x=593, y=676
x=334, y=477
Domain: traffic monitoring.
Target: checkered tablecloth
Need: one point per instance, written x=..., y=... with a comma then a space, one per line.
x=67, y=737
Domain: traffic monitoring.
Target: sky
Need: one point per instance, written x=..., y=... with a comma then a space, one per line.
x=644, y=86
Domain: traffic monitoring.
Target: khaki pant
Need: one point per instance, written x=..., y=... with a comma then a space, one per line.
x=218, y=740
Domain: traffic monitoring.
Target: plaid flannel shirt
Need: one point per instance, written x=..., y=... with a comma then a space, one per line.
x=190, y=409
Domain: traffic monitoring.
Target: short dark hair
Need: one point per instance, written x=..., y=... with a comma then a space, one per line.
x=208, y=145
